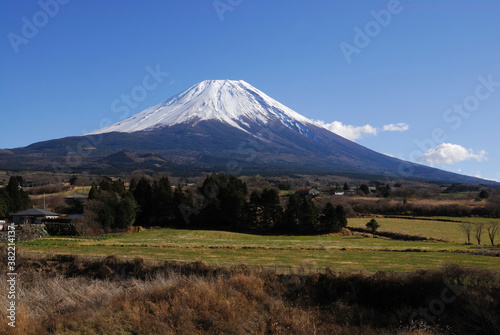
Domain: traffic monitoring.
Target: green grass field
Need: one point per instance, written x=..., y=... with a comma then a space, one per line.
x=449, y=231
x=336, y=259
x=337, y=252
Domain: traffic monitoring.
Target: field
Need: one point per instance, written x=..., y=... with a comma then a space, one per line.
x=359, y=252
x=442, y=230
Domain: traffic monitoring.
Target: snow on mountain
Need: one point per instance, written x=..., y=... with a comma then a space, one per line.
x=235, y=103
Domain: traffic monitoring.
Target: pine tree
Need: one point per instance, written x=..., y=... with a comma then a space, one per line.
x=341, y=216
x=118, y=187
x=162, y=202
x=125, y=212
x=143, y=197
x=328, y=218
x=290, y=222
x=271, y=209
x=373, y=225
x=308, y=216
x=94, y=192
x=18, y=199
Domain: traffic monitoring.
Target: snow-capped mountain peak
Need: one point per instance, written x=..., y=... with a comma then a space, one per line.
x=235, y=103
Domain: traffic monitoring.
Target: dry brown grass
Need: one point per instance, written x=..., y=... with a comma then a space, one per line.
x=438, y=206
x=68, y=295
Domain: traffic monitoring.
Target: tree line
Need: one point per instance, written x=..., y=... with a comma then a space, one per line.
x=222, y=201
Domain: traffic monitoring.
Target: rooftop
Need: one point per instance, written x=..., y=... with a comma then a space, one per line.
x=36, y=212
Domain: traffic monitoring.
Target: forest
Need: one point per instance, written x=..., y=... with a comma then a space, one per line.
x=221, y=202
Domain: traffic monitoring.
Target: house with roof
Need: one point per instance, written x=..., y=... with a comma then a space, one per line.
x=33, y=216
x=307, y=192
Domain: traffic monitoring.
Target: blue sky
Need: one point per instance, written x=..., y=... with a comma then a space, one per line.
x=418, y=80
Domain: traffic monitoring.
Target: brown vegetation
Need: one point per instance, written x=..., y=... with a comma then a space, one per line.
x=356, y=206
x=70, y=295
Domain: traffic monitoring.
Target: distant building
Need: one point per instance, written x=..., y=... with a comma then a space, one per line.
x=307, y=192
x=33, y=216
x=339, y=193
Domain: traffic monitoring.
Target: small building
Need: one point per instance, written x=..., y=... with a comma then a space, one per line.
x=307, y=192
x=339, y=193
x=33, y=216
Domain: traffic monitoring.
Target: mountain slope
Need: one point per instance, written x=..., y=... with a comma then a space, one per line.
x=218, y=125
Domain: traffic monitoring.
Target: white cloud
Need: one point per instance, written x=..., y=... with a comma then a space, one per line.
x=448, y=153
x=356, y=132
x=350, y=132
x=396, y=127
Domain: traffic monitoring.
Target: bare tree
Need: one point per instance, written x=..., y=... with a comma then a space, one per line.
x=467, y=229
x=478, y=231
x=493, y=228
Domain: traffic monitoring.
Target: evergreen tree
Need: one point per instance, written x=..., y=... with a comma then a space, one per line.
x=118, y=187
x=264, y=210
x=132, y=185
x=106, y=184
x=328, y=218
x=290, y=222
x=271, y=209
x=333, y=219
x=125, y=212
x=308, y=218
x=226, y=197
x=143, y=195
x=17, y=200
x=94, y=192
x=105, y=208
x=373, y=225
x=341, y=216
x=162, y=202
x=254, y=210
x=180, y=200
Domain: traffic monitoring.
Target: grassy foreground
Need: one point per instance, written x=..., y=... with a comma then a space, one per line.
x=338, y=252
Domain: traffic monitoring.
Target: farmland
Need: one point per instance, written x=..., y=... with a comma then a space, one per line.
x=339, y=252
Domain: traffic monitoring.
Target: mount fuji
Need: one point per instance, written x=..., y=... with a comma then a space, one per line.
x=218, y=125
